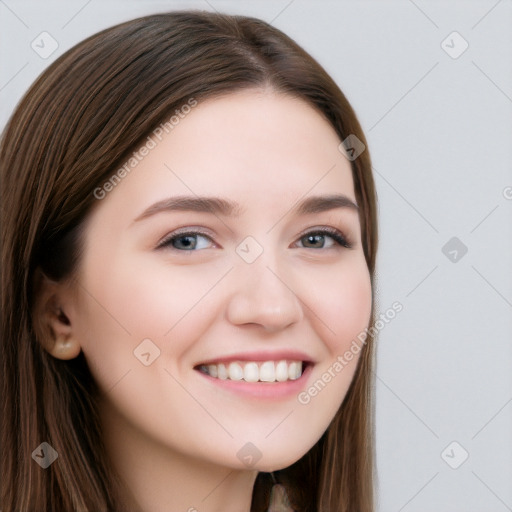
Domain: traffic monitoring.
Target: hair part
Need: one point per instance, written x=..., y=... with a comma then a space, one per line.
x=76, y=125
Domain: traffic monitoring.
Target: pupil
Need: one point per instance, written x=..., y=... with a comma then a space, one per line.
x=312, y=237
x=186, y=238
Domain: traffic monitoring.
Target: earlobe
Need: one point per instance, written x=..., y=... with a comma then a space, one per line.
x=53, y=328
x=65, y=349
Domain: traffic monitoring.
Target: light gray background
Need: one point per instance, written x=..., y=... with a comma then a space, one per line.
x=440, y=132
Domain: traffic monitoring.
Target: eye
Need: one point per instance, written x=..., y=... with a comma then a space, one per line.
x=185, y=241
x=319, y=235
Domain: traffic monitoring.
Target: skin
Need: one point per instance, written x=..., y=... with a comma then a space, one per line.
x=172, y=435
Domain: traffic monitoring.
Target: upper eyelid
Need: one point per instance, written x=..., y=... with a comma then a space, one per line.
x=184, y=232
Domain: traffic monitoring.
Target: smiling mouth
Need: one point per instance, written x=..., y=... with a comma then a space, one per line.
x=252, y=371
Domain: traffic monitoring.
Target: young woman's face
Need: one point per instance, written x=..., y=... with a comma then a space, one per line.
x=167, y=292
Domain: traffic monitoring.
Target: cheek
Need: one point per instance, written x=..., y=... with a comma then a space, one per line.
x=354, y=308
x=342, y=305
x=130, y=302
x=343, y=309
x=158, y=301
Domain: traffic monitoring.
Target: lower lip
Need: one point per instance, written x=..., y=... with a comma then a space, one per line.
x=267, y=390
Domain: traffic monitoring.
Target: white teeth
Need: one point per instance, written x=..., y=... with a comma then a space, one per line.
x=235, y=371
x=281, y=371
x=251, y=371
x=267, y=372
x=294, y=370
x=222, y=373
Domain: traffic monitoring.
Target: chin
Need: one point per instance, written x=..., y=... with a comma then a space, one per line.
x=276, y=463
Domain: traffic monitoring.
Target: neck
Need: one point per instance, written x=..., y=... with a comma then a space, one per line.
x=160, y=479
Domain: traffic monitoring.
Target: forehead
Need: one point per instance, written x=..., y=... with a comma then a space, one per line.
x=261, y=149
x=256, y=127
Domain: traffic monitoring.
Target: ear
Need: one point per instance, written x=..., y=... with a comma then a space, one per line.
x=51, y=318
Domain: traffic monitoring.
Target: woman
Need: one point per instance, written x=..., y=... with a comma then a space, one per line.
x=139, y=374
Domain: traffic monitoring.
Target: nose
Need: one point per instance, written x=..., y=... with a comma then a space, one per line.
x=263, y=296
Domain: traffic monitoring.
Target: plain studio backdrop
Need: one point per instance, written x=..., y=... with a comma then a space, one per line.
x=431, y=82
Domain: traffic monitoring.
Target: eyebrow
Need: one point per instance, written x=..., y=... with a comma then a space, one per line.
x=228, y=208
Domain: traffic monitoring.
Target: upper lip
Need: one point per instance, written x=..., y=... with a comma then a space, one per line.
x=260, y=356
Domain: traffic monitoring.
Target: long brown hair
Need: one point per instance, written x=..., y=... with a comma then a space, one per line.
x=75, y=126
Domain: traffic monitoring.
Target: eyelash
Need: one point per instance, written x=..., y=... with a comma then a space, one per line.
x=335, y=234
